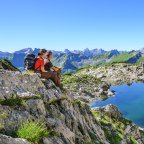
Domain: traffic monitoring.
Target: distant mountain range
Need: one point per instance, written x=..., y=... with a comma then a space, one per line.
x=4, y=54
x=73, y=60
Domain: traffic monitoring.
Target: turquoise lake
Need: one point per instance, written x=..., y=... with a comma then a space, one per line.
x=130, y=101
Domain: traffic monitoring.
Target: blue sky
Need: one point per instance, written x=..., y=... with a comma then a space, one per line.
x=72, y=24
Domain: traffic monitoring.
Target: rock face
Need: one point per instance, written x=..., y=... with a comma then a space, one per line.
x=9, y=140
x=72, y=121
x=26, y=96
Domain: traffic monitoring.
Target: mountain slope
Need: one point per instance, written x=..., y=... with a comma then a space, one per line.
x=127, y=57
x=67, y=120
x=5, y=64
x=4, y=54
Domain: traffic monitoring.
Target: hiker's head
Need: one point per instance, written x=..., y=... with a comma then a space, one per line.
x=42, y=53
x=50, y=55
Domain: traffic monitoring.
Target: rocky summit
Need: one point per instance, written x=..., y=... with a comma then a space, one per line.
x=35, y=111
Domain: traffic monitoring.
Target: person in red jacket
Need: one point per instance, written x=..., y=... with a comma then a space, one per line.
x=39, y=63
x=39, y=68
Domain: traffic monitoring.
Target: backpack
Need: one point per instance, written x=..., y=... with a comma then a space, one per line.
x=29, y=61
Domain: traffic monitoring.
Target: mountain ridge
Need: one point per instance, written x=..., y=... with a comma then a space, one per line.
x=73, y=60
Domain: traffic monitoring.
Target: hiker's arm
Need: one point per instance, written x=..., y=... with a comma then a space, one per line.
x=43, y=69
x=45, y=61
x=55, y=68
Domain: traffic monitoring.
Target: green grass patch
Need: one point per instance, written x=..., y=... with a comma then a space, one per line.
x=80, y=104
x=7, y=65
x=29, y=72
x=17, y=101
x=133, y=140
x=33, y=131
x=69, y=79
x=113, y=128
x=55, y=100
x=113, y=138
x=13, y=101
x=117, y=134
x=84, y=69
x=122, y=58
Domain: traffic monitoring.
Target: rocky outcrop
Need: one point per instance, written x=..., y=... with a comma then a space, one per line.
x=25, y=96
x=118, y=129
x=9, y=140
x=86, y=88
x=68, y=120
x=116, y=74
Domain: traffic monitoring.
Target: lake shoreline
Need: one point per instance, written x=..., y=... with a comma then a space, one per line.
x=125, y=100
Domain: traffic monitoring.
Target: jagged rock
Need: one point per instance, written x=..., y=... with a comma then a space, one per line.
x=25, y=86
x=53, y=140
x=111, y=111
x=9, y=140
x=110, y=93
x=36, y=106
x=105, y=86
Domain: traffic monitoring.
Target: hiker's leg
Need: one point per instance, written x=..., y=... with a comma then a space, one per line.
x=55, y=78
x=59, y=73
x=46, y=75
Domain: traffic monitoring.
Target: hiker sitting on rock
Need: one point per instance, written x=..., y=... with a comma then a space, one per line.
x=40, y=68
x=39, y=62
x=53, y=70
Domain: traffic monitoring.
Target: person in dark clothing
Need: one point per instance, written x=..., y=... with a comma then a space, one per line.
x=48, y=64
x=54, y=70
